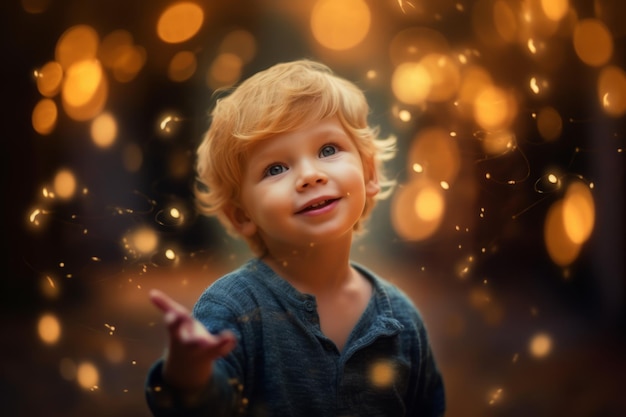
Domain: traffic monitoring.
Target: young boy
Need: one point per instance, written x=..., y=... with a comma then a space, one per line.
x=291, y=165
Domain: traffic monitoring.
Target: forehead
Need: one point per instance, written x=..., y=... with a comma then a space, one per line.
x=325, y=129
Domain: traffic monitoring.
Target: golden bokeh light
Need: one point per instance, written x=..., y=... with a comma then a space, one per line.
x=87, y=375
x=225, y=70
x=182, y=66
x=104, y=130
x=578, y=212
x=412, y=44
x=44, y=117
x=555, y=9
x=494, y=108
x=436, y=153
x=241, y=43
x=128, y=61
x=417, y=209
x=498, y=142
x=474, y=79
x=49, y=78
x=48, y=287
x=505, y=20
x=49, y=329
x=340, y=24
x=540, y=345
x=562, y=250
x=180, y=22
x=76, y=44
x=382, y=373
x=429, y=204
x=143, y=240
x=444, y=75
x=64, y=184
x=411, y=83
x=85, y=90
x=493, y=22
x=593, y=42
x=111, y=45
x=612, y=90
x=549, y=123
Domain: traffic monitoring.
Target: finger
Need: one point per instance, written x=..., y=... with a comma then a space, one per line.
x=165, y=303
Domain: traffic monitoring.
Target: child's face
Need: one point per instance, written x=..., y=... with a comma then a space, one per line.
x=303, y=187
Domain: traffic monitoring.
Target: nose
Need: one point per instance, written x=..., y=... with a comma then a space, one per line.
x=310, y=175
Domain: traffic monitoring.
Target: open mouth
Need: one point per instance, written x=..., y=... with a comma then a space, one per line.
x=318, y=205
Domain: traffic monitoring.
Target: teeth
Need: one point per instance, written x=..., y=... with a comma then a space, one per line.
x=320, y=203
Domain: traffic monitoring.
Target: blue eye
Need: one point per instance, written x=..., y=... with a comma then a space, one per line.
x=328, y=150
x=275, y=170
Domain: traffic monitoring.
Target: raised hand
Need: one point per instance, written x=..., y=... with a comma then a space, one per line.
x=192, y=348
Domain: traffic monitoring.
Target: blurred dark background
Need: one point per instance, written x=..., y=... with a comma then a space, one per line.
x=515, y=333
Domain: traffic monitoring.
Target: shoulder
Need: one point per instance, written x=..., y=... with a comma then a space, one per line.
x=233, y=291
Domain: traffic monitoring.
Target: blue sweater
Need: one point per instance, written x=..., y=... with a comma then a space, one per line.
x=283, y=365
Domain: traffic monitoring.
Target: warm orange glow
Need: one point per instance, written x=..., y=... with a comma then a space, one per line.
x=549, y=123
x=340, y=24
x=49, y=329
x=180, y=22
x=48, y=287
x=49, y=79
x=104, y=130
x=429, y=204
x=78, y=43
x=593, y=42
x=64, y=184
x=411, y=45
x=555, y=9
x=85, y=90
x=87, y=375
x=382, y=373
x=241, y=43
x=540, y=345
x=417, y=209
x=498, y=142
x=612, y=90
x=444, y=75
x=44, y=117
x=143, y=240
x=129, y=60
x=436, y=154
x=494, y=109
x=110, y=45
x=474, y=80
x=562, y=250
x=225, y=71
x=411, y=83
x=182, y=66
x=505, y=21
x=578, y=212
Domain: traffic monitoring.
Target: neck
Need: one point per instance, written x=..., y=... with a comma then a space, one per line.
x=313, y=269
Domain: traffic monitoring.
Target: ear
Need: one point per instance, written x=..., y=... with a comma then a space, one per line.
x=372, y=186
x=240, y=221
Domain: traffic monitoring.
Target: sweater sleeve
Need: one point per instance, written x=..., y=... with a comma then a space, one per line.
x=219, y=398
x=223, y=393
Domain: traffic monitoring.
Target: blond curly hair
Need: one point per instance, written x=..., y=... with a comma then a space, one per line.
x=280, y=99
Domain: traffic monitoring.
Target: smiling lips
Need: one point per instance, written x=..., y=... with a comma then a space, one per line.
x=318, y=206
